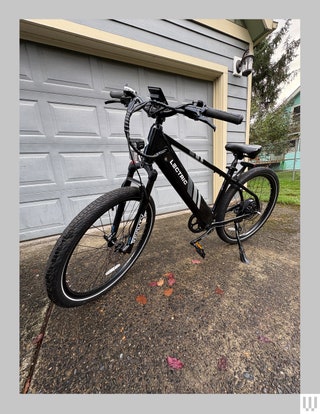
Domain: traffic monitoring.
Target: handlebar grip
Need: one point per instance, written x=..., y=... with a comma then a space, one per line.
x=224, y=116
x=116, y=94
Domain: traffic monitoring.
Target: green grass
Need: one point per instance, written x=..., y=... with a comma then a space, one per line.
x=289, y=188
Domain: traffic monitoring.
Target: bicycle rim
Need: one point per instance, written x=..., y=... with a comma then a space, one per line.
x=264, y=184
x=95, y=264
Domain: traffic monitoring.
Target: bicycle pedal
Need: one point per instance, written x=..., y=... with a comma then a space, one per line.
x=199, y=249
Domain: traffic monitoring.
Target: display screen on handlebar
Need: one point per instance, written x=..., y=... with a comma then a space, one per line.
x=156, y=94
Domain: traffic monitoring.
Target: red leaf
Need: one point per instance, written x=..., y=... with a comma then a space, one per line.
x=171, y=281
x=168, y=274
x=222, y=363
x=174, y=363
x=37, y=339
x=153, y=283
x=264, y=339
x=168, y=292
x=141, y=299
x=218, y=291
x=195, y=261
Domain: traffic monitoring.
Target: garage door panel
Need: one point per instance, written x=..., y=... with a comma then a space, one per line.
x=168, y=84
x=41, y=215
x=83, y=166
x=115, y=118
x=53, y=117
x=73, y=147
x=115, y=122
x=30, y=119
x=196, y=131
x=75, y=72
x=115, y=75
x=36, y=169
x=119, y=164
x=172, y=127
x=194, y=91
x=72, y=120
x=167, y=199
x=25, y=67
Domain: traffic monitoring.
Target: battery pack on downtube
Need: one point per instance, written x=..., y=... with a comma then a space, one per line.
x=176, y=174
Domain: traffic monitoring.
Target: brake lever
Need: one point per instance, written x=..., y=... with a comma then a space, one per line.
x=194, y=113
x=110, y=101
x=205, y=120
x=125, y=100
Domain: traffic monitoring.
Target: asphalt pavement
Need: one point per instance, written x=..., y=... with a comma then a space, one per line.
x=225, y=327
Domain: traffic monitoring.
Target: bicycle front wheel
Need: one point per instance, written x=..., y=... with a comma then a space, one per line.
x=89, y=257
x=264, y=183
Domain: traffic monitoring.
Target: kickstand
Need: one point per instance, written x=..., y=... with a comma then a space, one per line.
x=243, y=256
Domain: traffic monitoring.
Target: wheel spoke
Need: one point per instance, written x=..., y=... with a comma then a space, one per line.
x=264, y=184
x=89, y=258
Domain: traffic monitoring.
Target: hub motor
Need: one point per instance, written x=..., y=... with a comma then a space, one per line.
x=248, y=207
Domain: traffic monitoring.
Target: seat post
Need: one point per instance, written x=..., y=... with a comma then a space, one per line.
x=233, y=166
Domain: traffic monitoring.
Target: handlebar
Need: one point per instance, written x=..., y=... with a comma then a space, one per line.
x=222, y=115
x=157, y=107
x=194, y=111
x=116, y=94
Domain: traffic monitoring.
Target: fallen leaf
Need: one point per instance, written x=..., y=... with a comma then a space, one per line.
x=195, y=261
x=168, y=292
x=153, y=283
x=160, y=282
x=168, y=274
x=37, y=339
x=26, y=386
x=218, y=291
x=222, y=363
x=141, y=299
x=174, y=363
x=264, y=339
x=171, y=281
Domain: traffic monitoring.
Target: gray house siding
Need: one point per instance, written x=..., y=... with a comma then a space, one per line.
x=187, y=37
x=193, y=39
x=72, y=148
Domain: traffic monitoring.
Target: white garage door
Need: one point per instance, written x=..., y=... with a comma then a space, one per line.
x=72, y=147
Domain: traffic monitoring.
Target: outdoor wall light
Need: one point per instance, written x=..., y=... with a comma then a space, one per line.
x=243, y=66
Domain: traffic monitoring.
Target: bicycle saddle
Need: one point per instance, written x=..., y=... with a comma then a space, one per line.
x=243, y=150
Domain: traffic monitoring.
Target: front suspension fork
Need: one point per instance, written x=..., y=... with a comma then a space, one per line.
x=145, y=192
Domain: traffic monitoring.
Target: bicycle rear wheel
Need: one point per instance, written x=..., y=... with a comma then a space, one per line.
x=89, y=258
x=264, y=183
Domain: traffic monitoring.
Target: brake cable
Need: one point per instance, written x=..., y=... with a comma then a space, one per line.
x=134, y=106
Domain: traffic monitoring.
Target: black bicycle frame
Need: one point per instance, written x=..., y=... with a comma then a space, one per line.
x=176, y=174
